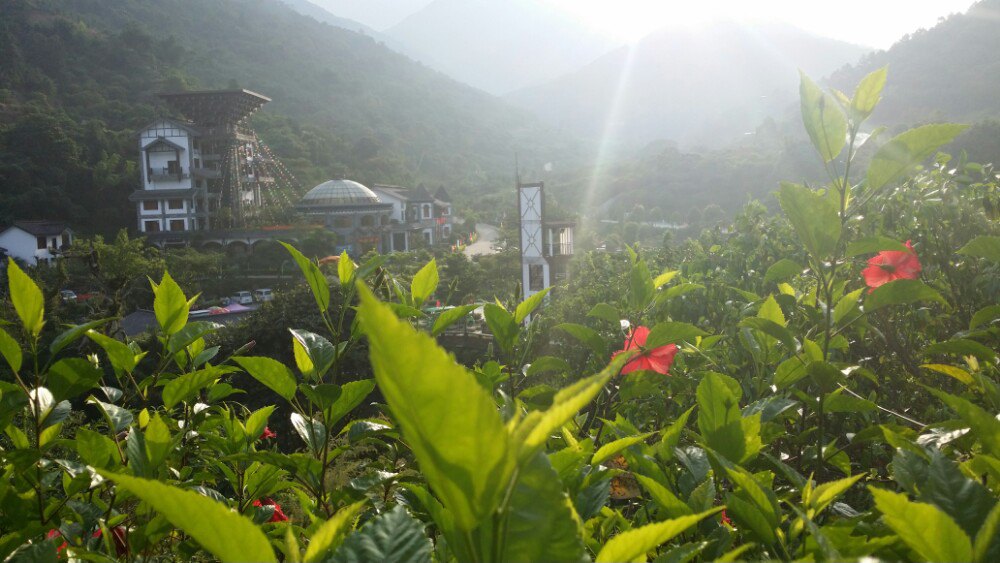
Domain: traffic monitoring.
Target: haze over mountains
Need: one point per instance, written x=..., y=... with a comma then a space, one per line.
x=499, y=46
x=697, y=85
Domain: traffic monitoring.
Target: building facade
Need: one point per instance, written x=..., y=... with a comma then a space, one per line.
x=35, y=242
x=546, y=246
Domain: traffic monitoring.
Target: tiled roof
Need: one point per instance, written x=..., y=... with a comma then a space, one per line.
x=41, y=228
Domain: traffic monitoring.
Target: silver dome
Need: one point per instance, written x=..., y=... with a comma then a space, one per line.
x=339, y=192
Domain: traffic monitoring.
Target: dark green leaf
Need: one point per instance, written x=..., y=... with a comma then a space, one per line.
x=70, y=377
x=272, y=373
x=392, y=536
x=314, y=355
x=671, y=332
x=782, y=270
x=541, y=525
x=314, y=276
x=901, y=292
x=983, y=247
x=814, y=217
x=962, y=347
x=186, y=386
x=605, y=312
x=586, y=336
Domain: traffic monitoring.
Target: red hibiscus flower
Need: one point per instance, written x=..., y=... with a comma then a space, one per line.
x=657, y=359
x=725, y=519
x=278, y=516
x=117, y=534
x=890, y=265
x=267, y=434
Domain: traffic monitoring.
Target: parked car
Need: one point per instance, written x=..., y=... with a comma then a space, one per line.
x=263, y=294
x=68, y=296
x=242, y=297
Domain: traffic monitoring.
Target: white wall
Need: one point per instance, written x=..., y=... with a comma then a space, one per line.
x=158, y=160
x=24, y=246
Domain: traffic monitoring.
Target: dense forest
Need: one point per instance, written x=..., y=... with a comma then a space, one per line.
x=78, y=78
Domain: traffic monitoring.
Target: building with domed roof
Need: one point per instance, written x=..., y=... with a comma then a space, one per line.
x=385, y=219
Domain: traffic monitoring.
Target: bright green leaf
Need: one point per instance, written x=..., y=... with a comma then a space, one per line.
x=815, y=218
x=907, y=149
x=424, y=283
x=314, y=276
x=901, y=292
x=928, y=531
x=27, y=298
x=332, y=532
x=633, y=544
x=527, y=306
x=868, y=93
x=823, y=119
x=272, y=373
x=983, y=247
x=221, y=531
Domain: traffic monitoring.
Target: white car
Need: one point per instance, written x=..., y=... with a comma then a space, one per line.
x=68, y=296
x=243, y=298
x=261, y=295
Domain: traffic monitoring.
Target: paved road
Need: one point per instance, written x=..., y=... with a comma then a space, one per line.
x=487, y=234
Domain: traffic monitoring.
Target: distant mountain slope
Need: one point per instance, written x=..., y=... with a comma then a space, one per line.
x=314, y=10
x=693, y=85
x=499, y=46
x=77, y=77
x=378, y=14
x=951, y=71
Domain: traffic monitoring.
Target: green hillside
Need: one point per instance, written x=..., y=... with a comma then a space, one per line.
x=79, y=76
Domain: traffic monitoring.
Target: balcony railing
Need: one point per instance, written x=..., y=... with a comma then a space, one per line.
x=559, y=249
x=166, y=175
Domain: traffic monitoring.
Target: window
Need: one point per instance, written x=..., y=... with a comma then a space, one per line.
x=427, y=211
x=41, y=243
x=175, y=204
x=151, y=226
x=197, y=163
x=150, y=205
x=367, y=221
x=173, y=167
x=398, y=242
x=177, y=224
x=427, y=237
x=536, y=277
x=65, y=239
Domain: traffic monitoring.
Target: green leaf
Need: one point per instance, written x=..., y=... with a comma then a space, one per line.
x=678, y=290
x=541, y=524
x=272, y=373
x=719, y=417
x=985, y=315
x=351, y=395
x=345, y=270
x=641, y=289
x=586, y=336
x=983, y=247
x=633, y=544
x=95, y=449
x=967, y=501
x=27, y=299
x=157, y=439
x=502, y=325
x=771, y=311
x=71, y=334
x=962, y=347
x=450, y=317
x=11, y=350
x=928, y=531
x=664, y=278
x=846, y=305
x=221, y=531
x=671, y=435
x=121, y=356
x=608, y=450
x=391, y=536
x=544, y=364
x=331, y=533
x=772, y=329
x=170, y=305
x=424, y=283
x=985, y=548
x=907, y=149
x=951, y=371
x=537, y=426
x=868, y=94
x=823, y=119
x=186, y=386
x=901, y=292
x=872, y=245
x=314, y=355
x=314, y=276
x=815, y=218
x=605, y=312
x=782, y=270
x=257, y=421
x=527, y=306
x=70, y=377
x=674, y=506
x=312, y=432
x=983, y=424
x=823, y=495
x=672, y=332
x=442, y=412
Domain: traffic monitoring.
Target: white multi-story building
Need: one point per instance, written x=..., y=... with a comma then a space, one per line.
x=174, y=196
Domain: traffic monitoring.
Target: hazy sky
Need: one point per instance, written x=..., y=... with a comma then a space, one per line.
x=876, y=23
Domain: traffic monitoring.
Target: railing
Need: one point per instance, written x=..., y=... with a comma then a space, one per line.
x=559, y=249
x=166, y=175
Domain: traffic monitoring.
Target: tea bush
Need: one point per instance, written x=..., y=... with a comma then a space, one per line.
x=818, y=387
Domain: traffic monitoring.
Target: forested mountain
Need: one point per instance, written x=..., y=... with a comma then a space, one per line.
x=499, y=46
x=948, y=72
x=695, y=85
x=78, y=77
